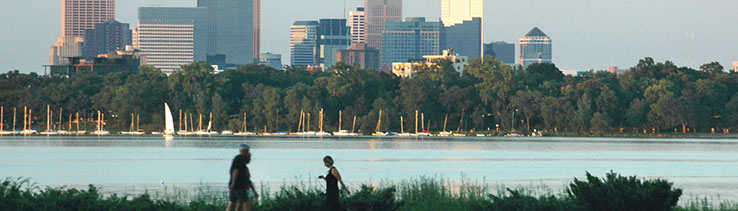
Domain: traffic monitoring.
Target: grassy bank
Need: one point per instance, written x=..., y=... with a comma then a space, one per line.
x=612, y=192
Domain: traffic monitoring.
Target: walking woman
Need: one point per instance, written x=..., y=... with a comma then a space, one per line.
x=331, y=187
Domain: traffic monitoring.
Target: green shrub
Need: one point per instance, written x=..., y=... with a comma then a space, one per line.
x=380, y=198
x=515, y=200
x=616, y=192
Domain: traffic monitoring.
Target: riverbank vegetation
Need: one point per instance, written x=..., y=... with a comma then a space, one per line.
x=612, y=192
x=649, y=98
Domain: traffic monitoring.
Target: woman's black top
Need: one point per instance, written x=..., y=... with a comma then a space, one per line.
x=331, y=191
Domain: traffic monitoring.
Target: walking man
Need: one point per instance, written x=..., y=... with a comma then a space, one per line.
x=240, y=182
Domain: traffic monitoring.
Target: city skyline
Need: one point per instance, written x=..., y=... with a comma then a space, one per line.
x=662, y=32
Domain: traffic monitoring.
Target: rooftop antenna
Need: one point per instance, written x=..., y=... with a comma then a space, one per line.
x=344, y=9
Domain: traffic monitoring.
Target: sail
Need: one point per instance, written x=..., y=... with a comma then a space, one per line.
x=170, y=121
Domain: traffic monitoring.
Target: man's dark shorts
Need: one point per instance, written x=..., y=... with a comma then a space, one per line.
x=239, y=195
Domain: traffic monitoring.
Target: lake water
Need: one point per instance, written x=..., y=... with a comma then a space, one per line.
x=702, y=167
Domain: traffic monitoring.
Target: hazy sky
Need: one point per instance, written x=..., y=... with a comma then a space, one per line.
x=586, y=34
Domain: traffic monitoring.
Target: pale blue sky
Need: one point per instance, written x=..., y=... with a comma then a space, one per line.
x=587, y=34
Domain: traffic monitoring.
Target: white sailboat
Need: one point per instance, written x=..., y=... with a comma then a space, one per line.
x=27, y=120
x=245, y=131
x=61, y=131
x=444, y=132
x=48, y=131
x=379, y=123
x=321, y=132
x=423, y=132
x=169, y=124
x=100, y=125
x=79, y=132
x=3, y=132
x=402, y=128
x=343, y=132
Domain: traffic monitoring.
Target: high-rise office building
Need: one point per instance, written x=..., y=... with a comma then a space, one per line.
x=333, y=35
x=234, y=26
x=379, y=12
x=77, y=17
x=303, y=39
x=410, y=40
x=359, y=54
x=501, y=50
x=735, y=67
x=535, y=47
x=464, y=26
x=80, y=15
x=357, y=23
x=66, y=47
x=272, y=60
x=171, y=37
x=106, y=37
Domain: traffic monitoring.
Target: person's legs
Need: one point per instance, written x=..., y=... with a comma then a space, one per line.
x=230, y=205
x=248, y=205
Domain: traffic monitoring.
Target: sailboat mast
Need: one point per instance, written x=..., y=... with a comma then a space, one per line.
x=402, y=125
x=299, y=122
x=339, y=121
x=132, y=120
x=97, y=128
x=69, y=127
x=48, y=115
x=30, y=118
x=444, y=123
x=379, y=121
x=25, y=117
x=199, y=123
x=354, y=125
x=180, y=120
x=2, y=118
x=308, y=122
x=77, y=121
x=321, y=120
x=416, y=121
x=14, y=119
x=422, y=121
x=244, y=122
x=210, y=123
x=138, y=120
x=60, y=118
x=102, y=123
x=192, y=123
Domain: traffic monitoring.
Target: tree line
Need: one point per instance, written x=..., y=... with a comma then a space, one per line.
x=489, y=95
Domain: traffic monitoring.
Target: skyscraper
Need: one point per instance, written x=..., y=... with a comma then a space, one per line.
x=77, y=17
x=333, y=35
x=378, y=12
x=464, y=26
x=410, y=40
x=171, y=37
x=735, y=67
x=359, y=54
x=272, y=60
x=357, y=23
x=80, y=15
x=106, y=37
x=535, y=47
x=501, y=50
x=234, y=27
x=303, y=39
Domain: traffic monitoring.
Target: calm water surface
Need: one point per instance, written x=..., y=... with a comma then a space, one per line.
x=702, y=167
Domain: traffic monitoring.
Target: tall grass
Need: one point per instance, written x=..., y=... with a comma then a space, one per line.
x=424, y=193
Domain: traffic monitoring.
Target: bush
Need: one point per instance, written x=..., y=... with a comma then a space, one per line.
x=515, y=200
x=616, y=192
x=379, y=198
